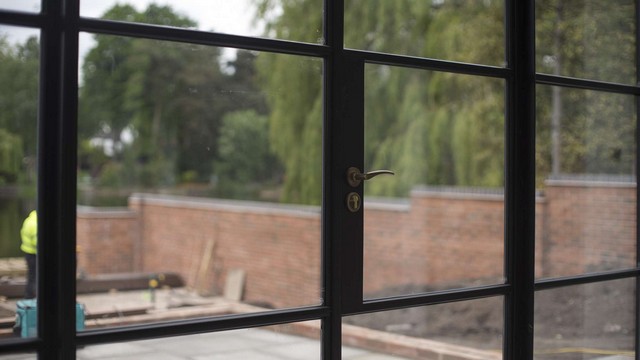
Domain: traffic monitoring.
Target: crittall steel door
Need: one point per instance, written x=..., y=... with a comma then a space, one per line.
x=347, y=179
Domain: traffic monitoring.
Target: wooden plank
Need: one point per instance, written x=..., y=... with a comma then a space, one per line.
x=234, y=285
x=204, y=266
x=103, y=283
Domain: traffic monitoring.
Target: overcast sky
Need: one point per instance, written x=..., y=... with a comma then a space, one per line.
x=230, y=16
x=227, y=16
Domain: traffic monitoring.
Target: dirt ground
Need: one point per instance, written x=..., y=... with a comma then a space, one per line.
x=578, y=322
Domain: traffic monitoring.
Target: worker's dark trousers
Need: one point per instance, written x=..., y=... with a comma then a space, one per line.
x=30, y=289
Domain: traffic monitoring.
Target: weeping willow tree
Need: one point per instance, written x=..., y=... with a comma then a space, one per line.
x=293, y=87
x=439, y=128
x=580, y=131
x=431, y=128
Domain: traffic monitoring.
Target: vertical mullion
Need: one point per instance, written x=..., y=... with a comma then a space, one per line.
x=332, y=324
x=49, y=180
x=56, y=181
x=520, y=180
x=68, y=166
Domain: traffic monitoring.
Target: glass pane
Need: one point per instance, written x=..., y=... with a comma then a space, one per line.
x=289, y=341
x=459, y=330
x=594, y=321
x=196, y=195
x=443, y=135
x=592, y=39
x=20, y=5
x=468, y=31
x=287, y=20
x=20, y=57
x=586, y=218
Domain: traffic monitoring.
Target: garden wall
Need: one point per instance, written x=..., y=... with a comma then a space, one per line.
x=107, y=240
x=440, y=237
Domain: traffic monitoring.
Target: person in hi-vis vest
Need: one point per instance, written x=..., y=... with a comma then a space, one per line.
x=29, y=235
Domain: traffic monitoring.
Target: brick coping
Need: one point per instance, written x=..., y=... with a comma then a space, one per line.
x=241, y=206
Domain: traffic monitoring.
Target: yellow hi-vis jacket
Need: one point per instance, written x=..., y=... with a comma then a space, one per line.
x=29, y=234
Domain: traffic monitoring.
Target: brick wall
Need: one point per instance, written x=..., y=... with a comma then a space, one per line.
x=277, y=246
x=591, y=227
x=438, y=238
x=443, y=238
x=433, y=241
x=106, y=240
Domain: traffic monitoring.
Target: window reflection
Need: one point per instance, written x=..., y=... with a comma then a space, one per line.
x=196, y=197
x=585, y=174
x=20, y=59
x=586, y=321
x=465, y=330
x=443, y=135
x=467, y=31
x=586, y=39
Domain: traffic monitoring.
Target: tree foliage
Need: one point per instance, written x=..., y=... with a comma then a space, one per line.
x=294, y=94
x=579, y=131
x=160, y=104
x=246, y=163
x=19, y=108
x=154, y=113
x=439, y=128
x=432, y=128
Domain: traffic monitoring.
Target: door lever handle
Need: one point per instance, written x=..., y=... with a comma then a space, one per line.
x=355, y=177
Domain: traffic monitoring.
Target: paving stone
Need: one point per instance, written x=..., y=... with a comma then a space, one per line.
x=273, y=337
x=307, y=349
x=110, y=351
x=206, y=345
x=239, y=355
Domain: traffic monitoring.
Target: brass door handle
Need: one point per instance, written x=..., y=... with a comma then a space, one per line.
x=355, y=177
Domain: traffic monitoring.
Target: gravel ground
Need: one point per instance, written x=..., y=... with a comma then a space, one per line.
x=593, y=321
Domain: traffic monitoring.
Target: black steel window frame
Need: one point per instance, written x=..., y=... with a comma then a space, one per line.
x=60, y=24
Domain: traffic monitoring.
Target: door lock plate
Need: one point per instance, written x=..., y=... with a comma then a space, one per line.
x=354, y=202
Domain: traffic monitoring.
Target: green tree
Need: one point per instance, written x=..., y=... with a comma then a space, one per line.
x=128, y=84
x=579, y=131
x=295, y=122
x=430, y=127
x=168, y=98
x=10, y=157
x=105, y=75
x=160, y=104
x=447, y=129
x=246, y=162
x=18, y=101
